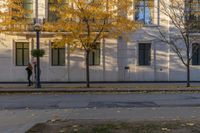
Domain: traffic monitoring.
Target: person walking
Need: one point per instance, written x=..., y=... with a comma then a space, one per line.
x=29, y=69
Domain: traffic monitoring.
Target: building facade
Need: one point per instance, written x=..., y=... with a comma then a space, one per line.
x=142, y=58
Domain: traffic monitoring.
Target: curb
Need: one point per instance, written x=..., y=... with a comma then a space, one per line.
x=93, y=90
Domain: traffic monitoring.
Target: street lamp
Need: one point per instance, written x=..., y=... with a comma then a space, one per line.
x=38, y=28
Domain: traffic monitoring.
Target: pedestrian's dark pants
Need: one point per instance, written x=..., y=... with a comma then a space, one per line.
x=29, y=78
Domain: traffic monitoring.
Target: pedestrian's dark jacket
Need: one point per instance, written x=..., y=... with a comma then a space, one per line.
x=29, y=71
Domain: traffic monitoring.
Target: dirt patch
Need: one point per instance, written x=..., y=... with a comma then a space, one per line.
x=94, y=126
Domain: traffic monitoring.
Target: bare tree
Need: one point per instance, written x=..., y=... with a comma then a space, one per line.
x=183, y=23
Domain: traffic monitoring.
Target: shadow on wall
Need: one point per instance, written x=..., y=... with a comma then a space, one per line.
x=11, y=72
x=77, y=70
x=177, y=71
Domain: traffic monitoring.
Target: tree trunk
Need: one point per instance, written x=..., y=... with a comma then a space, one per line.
x=188, y=75
x=188, y=68
x=87, y=69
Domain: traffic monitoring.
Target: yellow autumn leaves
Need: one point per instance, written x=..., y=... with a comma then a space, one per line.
x=86, y=22
x=13, y=16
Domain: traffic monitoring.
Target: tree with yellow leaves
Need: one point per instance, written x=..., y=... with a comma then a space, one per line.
x=13, y=16
x=83, y=23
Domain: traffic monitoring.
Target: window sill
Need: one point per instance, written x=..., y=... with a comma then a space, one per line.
x=151, y=25
x=20, y=66
x=144, y=65
x=57, y=66
x=94, y=65
x=195, y=65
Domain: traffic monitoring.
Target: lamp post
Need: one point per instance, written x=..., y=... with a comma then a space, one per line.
x=38, y=28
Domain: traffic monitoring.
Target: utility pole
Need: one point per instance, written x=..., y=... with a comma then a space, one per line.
x=37, y=28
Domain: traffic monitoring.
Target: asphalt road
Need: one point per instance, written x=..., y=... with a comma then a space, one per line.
x=20, y=112
x=73, y=101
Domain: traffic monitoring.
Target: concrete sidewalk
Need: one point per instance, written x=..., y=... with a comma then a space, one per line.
x=98, y=87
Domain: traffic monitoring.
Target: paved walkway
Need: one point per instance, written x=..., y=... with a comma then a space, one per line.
x=19, y=112
x=97, y=87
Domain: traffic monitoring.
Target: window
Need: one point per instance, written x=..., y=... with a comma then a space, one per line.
x=196, y=54
x=28, y=5
x=58, y=56
x=94, y=55
x=193, y=9
x=193, y=13
x=52, y=14
x=144, y=54
x=22, y=53
x=145, y=11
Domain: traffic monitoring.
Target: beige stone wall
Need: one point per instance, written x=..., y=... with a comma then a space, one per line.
x=115, y=56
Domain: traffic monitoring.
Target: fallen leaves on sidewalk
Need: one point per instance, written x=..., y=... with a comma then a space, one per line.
x=190, y=124
x=165, y=129
x=101, y=126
